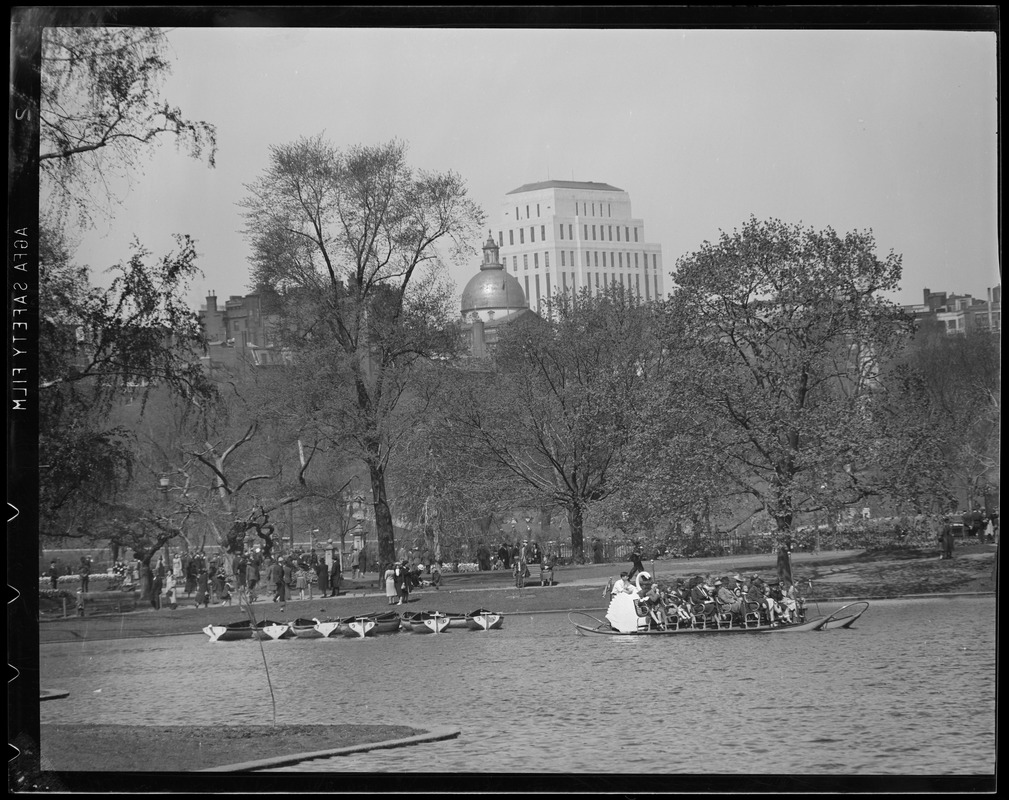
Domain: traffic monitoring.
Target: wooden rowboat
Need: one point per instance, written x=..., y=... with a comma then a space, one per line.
x=268, y=629
x=231, y=632
x=328, y=628
x=357, y=626
x=427, y=621
x=303, y=628
x=484, y=620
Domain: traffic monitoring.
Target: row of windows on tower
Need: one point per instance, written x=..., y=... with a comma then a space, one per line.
x=605, y=233
x=616, y=260
x=585, y=206
x=606, y=281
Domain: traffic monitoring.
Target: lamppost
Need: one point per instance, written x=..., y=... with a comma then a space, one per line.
x=164, y=483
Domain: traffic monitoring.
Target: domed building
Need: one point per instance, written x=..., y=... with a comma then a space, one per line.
x=492, y=298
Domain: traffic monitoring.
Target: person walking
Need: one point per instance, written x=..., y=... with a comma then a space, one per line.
x=636, y=565
x=362, y=562
x=404, y=584
x=54, y=574
x=84, y=571
x=391, y=591
x=519, y=569
x=355, y=560
x=203, y=588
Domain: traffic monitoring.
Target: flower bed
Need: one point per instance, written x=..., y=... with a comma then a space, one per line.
x=97, y=582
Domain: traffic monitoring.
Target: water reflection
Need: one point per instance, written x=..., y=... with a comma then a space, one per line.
x=909, y=690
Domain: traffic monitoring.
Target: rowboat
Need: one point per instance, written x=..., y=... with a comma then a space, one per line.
x=231, y=632
x=842, y=618
x=356, y=626
x=268, y=629
x=427, y=621
x=484, y=620
x=370, y=624
x=456, y=620
x=303, y=628
x=328, y=627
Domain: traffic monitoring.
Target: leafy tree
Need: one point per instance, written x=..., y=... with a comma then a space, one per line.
x=783, y=331
x=97, y=347
x=350, y=242
x=948, y=389
x=547, y=428
x=100, y=108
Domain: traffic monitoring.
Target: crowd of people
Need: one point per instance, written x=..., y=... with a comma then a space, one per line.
x=701, y=600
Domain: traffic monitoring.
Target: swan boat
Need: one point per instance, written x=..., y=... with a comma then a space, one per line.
x=328, y=628
x=625, y=617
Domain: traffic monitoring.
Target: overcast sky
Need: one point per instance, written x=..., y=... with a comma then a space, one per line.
x=890, y=130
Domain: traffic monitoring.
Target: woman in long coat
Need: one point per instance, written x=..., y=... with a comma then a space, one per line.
x=202, y=589
x=322, y=574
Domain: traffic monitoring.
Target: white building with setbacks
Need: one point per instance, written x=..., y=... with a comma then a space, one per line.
x=556, y=236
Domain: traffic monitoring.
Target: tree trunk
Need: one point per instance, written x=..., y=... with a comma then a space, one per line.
x=383, y=516
x=576, y=522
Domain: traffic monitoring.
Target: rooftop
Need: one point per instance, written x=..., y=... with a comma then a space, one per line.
x=589, y=185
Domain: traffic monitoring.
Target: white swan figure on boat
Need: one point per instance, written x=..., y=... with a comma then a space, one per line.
x=622, y=613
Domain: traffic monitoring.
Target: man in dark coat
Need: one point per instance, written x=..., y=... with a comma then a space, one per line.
x=322, y=575
x=636, y=565
x=335, y=576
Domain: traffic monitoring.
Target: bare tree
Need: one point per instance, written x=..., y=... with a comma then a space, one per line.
x=350, y=242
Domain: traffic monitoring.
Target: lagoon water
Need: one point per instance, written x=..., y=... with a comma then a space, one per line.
x=909, y=690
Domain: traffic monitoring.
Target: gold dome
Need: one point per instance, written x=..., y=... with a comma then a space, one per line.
x=492, y=288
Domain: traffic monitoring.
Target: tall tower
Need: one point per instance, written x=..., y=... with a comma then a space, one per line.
x=560, y=236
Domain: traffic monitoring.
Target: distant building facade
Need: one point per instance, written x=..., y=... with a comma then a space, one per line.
x=961, y=313
x=558, y=236
x=240, y=334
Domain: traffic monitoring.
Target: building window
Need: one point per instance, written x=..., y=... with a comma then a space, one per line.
x=620, y=260
x=532, y=233
x=500, y=239
x=618, y=233
x=570, y=233
x=595, y=257
x=585, y=234
x=537, y=291
x=637, y=285
x=597, y=281
x=606, y=280
x=647, y=293
x=561, y=231
x=537, y=209
x=655, y=262
x=562, y=259
x=635, y=234
x=527, y=288
x=609, y=231
x=536, y=260
x=511, y=237
x=543, y=233
x=527, y=214
x=525, y=262
x=573, y=258
x=593, y=233
x=515, y=263
x=656, y=287
x=546, y=260
x=516, y=213
x=564, y=281
x=548, y=285
x=522, y=235
x=627, y=234
x=609, y=210
x=636, y=261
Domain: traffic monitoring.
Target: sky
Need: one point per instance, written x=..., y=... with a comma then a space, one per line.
x=889, y=130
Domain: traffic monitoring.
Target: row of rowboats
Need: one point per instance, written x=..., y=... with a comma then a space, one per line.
x=358, y=626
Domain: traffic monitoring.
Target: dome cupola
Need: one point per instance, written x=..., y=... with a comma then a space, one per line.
x=492, y=288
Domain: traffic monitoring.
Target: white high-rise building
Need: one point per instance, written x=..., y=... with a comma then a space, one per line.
x=557, y=236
